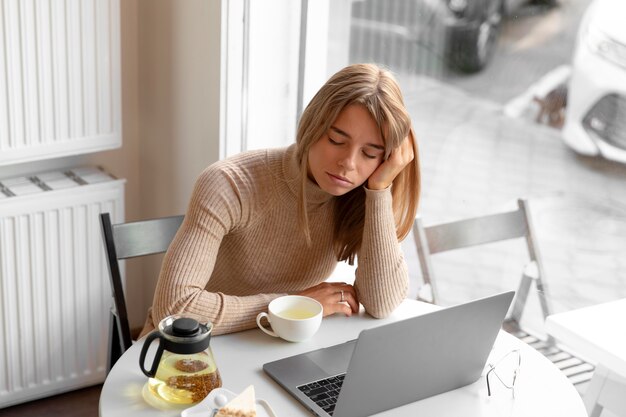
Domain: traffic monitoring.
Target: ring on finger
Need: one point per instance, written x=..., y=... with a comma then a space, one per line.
x=342, y=299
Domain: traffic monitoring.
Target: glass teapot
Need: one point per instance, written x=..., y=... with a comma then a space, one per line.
x=183, y=370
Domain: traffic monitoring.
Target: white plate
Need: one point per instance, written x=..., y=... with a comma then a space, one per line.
x=205, y=407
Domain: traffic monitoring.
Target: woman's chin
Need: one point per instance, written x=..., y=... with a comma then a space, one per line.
x=337, y=191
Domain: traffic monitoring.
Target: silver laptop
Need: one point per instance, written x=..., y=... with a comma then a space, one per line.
x=397, y=363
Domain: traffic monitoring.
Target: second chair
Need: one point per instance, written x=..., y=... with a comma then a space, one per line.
x=123, y=241
x=481, y=230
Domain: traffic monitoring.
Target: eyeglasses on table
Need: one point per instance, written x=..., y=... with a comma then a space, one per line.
x=506, y=370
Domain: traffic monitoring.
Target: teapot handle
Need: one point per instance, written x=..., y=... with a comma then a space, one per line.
x=157, y=357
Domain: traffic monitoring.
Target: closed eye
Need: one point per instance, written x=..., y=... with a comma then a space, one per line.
x=334, y=142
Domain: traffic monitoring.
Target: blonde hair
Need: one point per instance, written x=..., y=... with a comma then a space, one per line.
x=377, y=90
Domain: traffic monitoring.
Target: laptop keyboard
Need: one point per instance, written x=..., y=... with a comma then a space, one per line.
x=324, y=392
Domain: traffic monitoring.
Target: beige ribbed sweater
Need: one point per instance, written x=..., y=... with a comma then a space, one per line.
x=239, y=246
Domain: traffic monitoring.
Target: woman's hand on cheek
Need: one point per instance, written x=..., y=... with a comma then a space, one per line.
x=335, y=297
x=386, y=172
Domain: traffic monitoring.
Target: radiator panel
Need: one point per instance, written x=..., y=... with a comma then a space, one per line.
x=60, y=82
x=54, y=290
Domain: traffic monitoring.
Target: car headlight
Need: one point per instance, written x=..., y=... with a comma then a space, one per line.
x=607, y=48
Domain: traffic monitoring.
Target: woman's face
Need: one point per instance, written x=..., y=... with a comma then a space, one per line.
x=348, y=153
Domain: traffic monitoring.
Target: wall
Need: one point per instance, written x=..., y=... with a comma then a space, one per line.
x=178, y=109
x=179, y=99
x=170, y=83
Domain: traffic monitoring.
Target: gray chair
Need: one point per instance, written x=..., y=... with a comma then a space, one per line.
x=515, y=224
x=470, y=232
x=124, y=241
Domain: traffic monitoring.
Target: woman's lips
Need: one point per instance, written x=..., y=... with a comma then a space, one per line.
x=341, y=181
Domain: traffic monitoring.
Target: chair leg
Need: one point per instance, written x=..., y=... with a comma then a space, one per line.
x=115, y=350
x=520, y=298
x=426, y=294
x=596, y=411
x=606, y=390
x=592, y=395
x=429, y=291
x=543, y=298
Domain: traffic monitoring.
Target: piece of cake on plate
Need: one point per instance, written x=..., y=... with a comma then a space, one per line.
x=242, y=405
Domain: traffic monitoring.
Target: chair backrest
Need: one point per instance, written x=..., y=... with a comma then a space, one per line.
x=130, y=240
x=478, y=231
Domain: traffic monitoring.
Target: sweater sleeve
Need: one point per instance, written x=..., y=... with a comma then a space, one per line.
x=382, y=275
x=215, y=209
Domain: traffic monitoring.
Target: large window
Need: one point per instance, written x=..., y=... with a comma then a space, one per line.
x=508, y=98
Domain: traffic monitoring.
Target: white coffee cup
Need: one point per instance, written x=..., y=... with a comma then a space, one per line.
x=292, y=317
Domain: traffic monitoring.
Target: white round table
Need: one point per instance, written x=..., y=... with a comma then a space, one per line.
x=541, y=388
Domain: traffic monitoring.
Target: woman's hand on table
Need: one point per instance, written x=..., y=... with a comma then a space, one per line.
x=335, y=297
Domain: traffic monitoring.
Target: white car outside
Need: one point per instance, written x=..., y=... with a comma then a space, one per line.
x=595, y=122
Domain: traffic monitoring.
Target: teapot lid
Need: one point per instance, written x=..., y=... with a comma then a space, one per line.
x=185, y=333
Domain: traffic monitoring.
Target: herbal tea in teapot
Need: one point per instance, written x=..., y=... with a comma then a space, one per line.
x=185, y=379
x=183, y=370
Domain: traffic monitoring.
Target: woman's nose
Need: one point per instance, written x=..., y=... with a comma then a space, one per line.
x=348, y=160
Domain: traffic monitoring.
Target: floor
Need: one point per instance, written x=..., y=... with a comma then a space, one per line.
x=80, y=403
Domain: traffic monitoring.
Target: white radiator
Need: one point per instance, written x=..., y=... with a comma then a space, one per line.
x=60, y=84
x=54, y=286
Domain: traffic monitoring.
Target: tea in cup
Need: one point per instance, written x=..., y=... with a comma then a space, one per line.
x=292, y=317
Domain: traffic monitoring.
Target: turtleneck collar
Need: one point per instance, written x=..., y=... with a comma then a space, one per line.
x=314, y=194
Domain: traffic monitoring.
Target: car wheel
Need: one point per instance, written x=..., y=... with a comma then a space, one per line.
x=550, y=3
x=473, y=51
